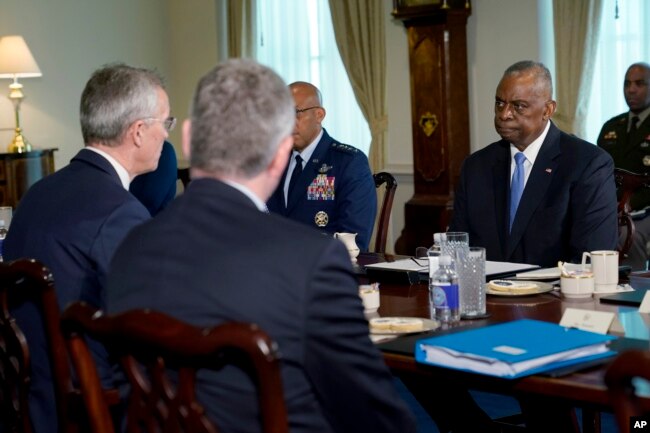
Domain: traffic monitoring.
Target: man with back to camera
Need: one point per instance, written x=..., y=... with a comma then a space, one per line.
x=627, y=139
x=73, y=220
x=538, y=195
x=333, y=189
x=215, y=255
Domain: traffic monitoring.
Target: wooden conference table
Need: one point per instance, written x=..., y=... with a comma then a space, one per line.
x=583, y=387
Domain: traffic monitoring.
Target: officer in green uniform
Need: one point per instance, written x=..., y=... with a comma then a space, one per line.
x=627, y=138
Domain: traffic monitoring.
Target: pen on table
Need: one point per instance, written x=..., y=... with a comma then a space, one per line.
x=416, y=262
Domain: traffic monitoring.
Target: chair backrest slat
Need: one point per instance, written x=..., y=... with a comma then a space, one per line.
x=381, y=235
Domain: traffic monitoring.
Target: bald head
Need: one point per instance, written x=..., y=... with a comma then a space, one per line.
x=635, y=87
x=310, y=92
x=309, y=113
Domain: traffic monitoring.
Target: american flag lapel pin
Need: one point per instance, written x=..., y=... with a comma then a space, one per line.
x=548, y=170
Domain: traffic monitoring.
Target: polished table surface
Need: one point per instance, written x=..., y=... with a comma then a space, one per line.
x=583, y=388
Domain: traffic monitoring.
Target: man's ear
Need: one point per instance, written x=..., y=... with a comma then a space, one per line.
x=281, y=158
x=135, y=132
x=549, y=109
x=186, y=138
x=320, y=114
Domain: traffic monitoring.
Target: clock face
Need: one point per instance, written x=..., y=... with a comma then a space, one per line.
x=439, y=297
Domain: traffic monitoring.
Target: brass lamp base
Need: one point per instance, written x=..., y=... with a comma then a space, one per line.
x=19, y=144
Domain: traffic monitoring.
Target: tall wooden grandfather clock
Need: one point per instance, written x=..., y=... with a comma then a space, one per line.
x=439, y=109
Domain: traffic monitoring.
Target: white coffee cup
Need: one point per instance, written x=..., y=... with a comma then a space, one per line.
x=369, y=294
x=580, y=285
x=604, y=266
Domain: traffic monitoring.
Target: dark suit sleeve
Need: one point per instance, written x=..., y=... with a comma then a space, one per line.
x=594, y=224
x=114, y=229
x=357, y=201
x=348, y=373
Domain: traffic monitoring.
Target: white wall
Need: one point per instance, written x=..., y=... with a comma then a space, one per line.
x=69, y=39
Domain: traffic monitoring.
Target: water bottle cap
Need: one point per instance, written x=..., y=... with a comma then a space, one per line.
x=444, y=260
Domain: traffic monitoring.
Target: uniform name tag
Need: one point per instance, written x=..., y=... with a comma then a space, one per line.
x=321, y=188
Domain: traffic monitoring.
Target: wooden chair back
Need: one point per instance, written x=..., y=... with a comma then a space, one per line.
x=27, y=280
x=14, y=372
x=627, y=184
x=147, y=343
x=381, y=233
x=619, y=379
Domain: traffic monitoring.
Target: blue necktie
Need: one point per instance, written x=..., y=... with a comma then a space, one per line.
x=517, y=185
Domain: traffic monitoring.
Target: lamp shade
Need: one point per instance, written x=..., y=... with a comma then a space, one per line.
x=16, y=61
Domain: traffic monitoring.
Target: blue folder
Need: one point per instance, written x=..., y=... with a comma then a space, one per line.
x=513, y=349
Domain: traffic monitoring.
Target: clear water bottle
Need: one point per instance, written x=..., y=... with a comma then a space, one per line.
x=443, y=292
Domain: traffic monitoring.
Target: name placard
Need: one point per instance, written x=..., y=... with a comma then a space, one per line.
x=587, y=320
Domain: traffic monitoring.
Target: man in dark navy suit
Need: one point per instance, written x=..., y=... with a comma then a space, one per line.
x=216, y=255
x=331, y=188
x=74, y=219
x=539, y=195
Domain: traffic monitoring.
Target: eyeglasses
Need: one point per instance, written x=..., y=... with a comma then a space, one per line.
x=302, y=110
x=168, y=123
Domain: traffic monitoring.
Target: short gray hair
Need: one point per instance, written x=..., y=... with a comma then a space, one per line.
x=541, y=72
x=116, y=96
x=240, y=113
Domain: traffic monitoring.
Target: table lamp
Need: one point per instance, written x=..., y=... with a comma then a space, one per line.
x=16, y=61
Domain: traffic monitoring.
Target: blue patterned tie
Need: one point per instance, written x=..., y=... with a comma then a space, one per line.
x=517, y=185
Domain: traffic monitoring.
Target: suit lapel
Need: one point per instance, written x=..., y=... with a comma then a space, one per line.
x=537, y=185
x=501, y=179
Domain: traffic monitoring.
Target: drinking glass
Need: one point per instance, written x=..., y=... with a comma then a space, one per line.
x=470, y=265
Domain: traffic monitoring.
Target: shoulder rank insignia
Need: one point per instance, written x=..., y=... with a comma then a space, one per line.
x=344, y=148
x=324, y=168
x=611, y=135
x=646, y=160
x=321, y=218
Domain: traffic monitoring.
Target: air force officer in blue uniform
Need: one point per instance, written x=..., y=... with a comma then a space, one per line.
x=333, y=190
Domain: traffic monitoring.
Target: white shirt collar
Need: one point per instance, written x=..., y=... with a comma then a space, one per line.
x=248, y=193
x=125, y=179
x=531, y=152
